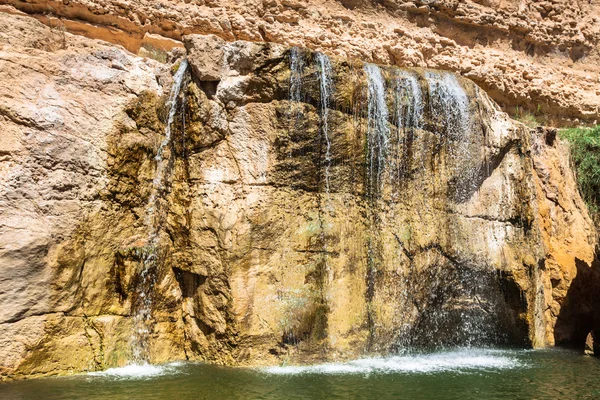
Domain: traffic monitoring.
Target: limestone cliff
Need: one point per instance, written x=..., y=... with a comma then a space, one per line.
x=309, y=208
x=540, y=56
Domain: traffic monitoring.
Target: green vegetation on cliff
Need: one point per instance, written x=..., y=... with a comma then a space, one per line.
x=585, y=150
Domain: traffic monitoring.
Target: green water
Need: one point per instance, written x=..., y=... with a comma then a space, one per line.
x=464, y=374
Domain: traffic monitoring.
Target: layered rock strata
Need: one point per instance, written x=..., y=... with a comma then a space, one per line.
x=538, y=56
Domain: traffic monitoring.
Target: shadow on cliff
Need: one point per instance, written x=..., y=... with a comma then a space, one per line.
x=580, y=312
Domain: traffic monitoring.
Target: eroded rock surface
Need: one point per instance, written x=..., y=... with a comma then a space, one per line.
x=61, y=100
x=540, y=56
x=402, y=210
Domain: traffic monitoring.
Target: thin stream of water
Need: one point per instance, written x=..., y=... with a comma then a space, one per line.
x=143, y=307
x=326, y=86
x=378, y=129
x=326, y=90
x=295, y=95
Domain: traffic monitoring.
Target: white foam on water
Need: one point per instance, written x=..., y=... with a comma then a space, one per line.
x=137, y=371
x=457, y=361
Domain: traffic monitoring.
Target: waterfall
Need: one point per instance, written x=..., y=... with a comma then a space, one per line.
x=378, y=130
x=296, y=71
x=377, y=146
x=408, y=103
x=142, y=318
x=158, y=181
x=444, y=299
x=326, y=91
x=326, y=86
x=295, y=95
x=471, y=297
x=450, y=102
x=408, y=87
x=408, y=100
x=448, y=97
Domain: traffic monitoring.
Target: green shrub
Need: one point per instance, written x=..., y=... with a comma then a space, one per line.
x=585, y=150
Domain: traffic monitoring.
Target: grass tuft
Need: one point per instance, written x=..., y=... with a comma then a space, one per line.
x=527, y=118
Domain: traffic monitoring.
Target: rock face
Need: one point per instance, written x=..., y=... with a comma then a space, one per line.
x=61, y=102
x=309, y=208
x=540, y=56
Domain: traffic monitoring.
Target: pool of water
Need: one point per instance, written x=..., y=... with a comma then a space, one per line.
x=458, y=374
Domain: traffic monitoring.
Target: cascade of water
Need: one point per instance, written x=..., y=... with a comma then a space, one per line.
x=295, y=95
x=449, y=100
x=378, y=130
x=448, y=97
x=296, y=71
x=326, y=86
x=474, y=292
x=414, y=108
x=408, y=115
x=409, y=100
x=142, y=318
x=377, y=146
x=158, y=181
